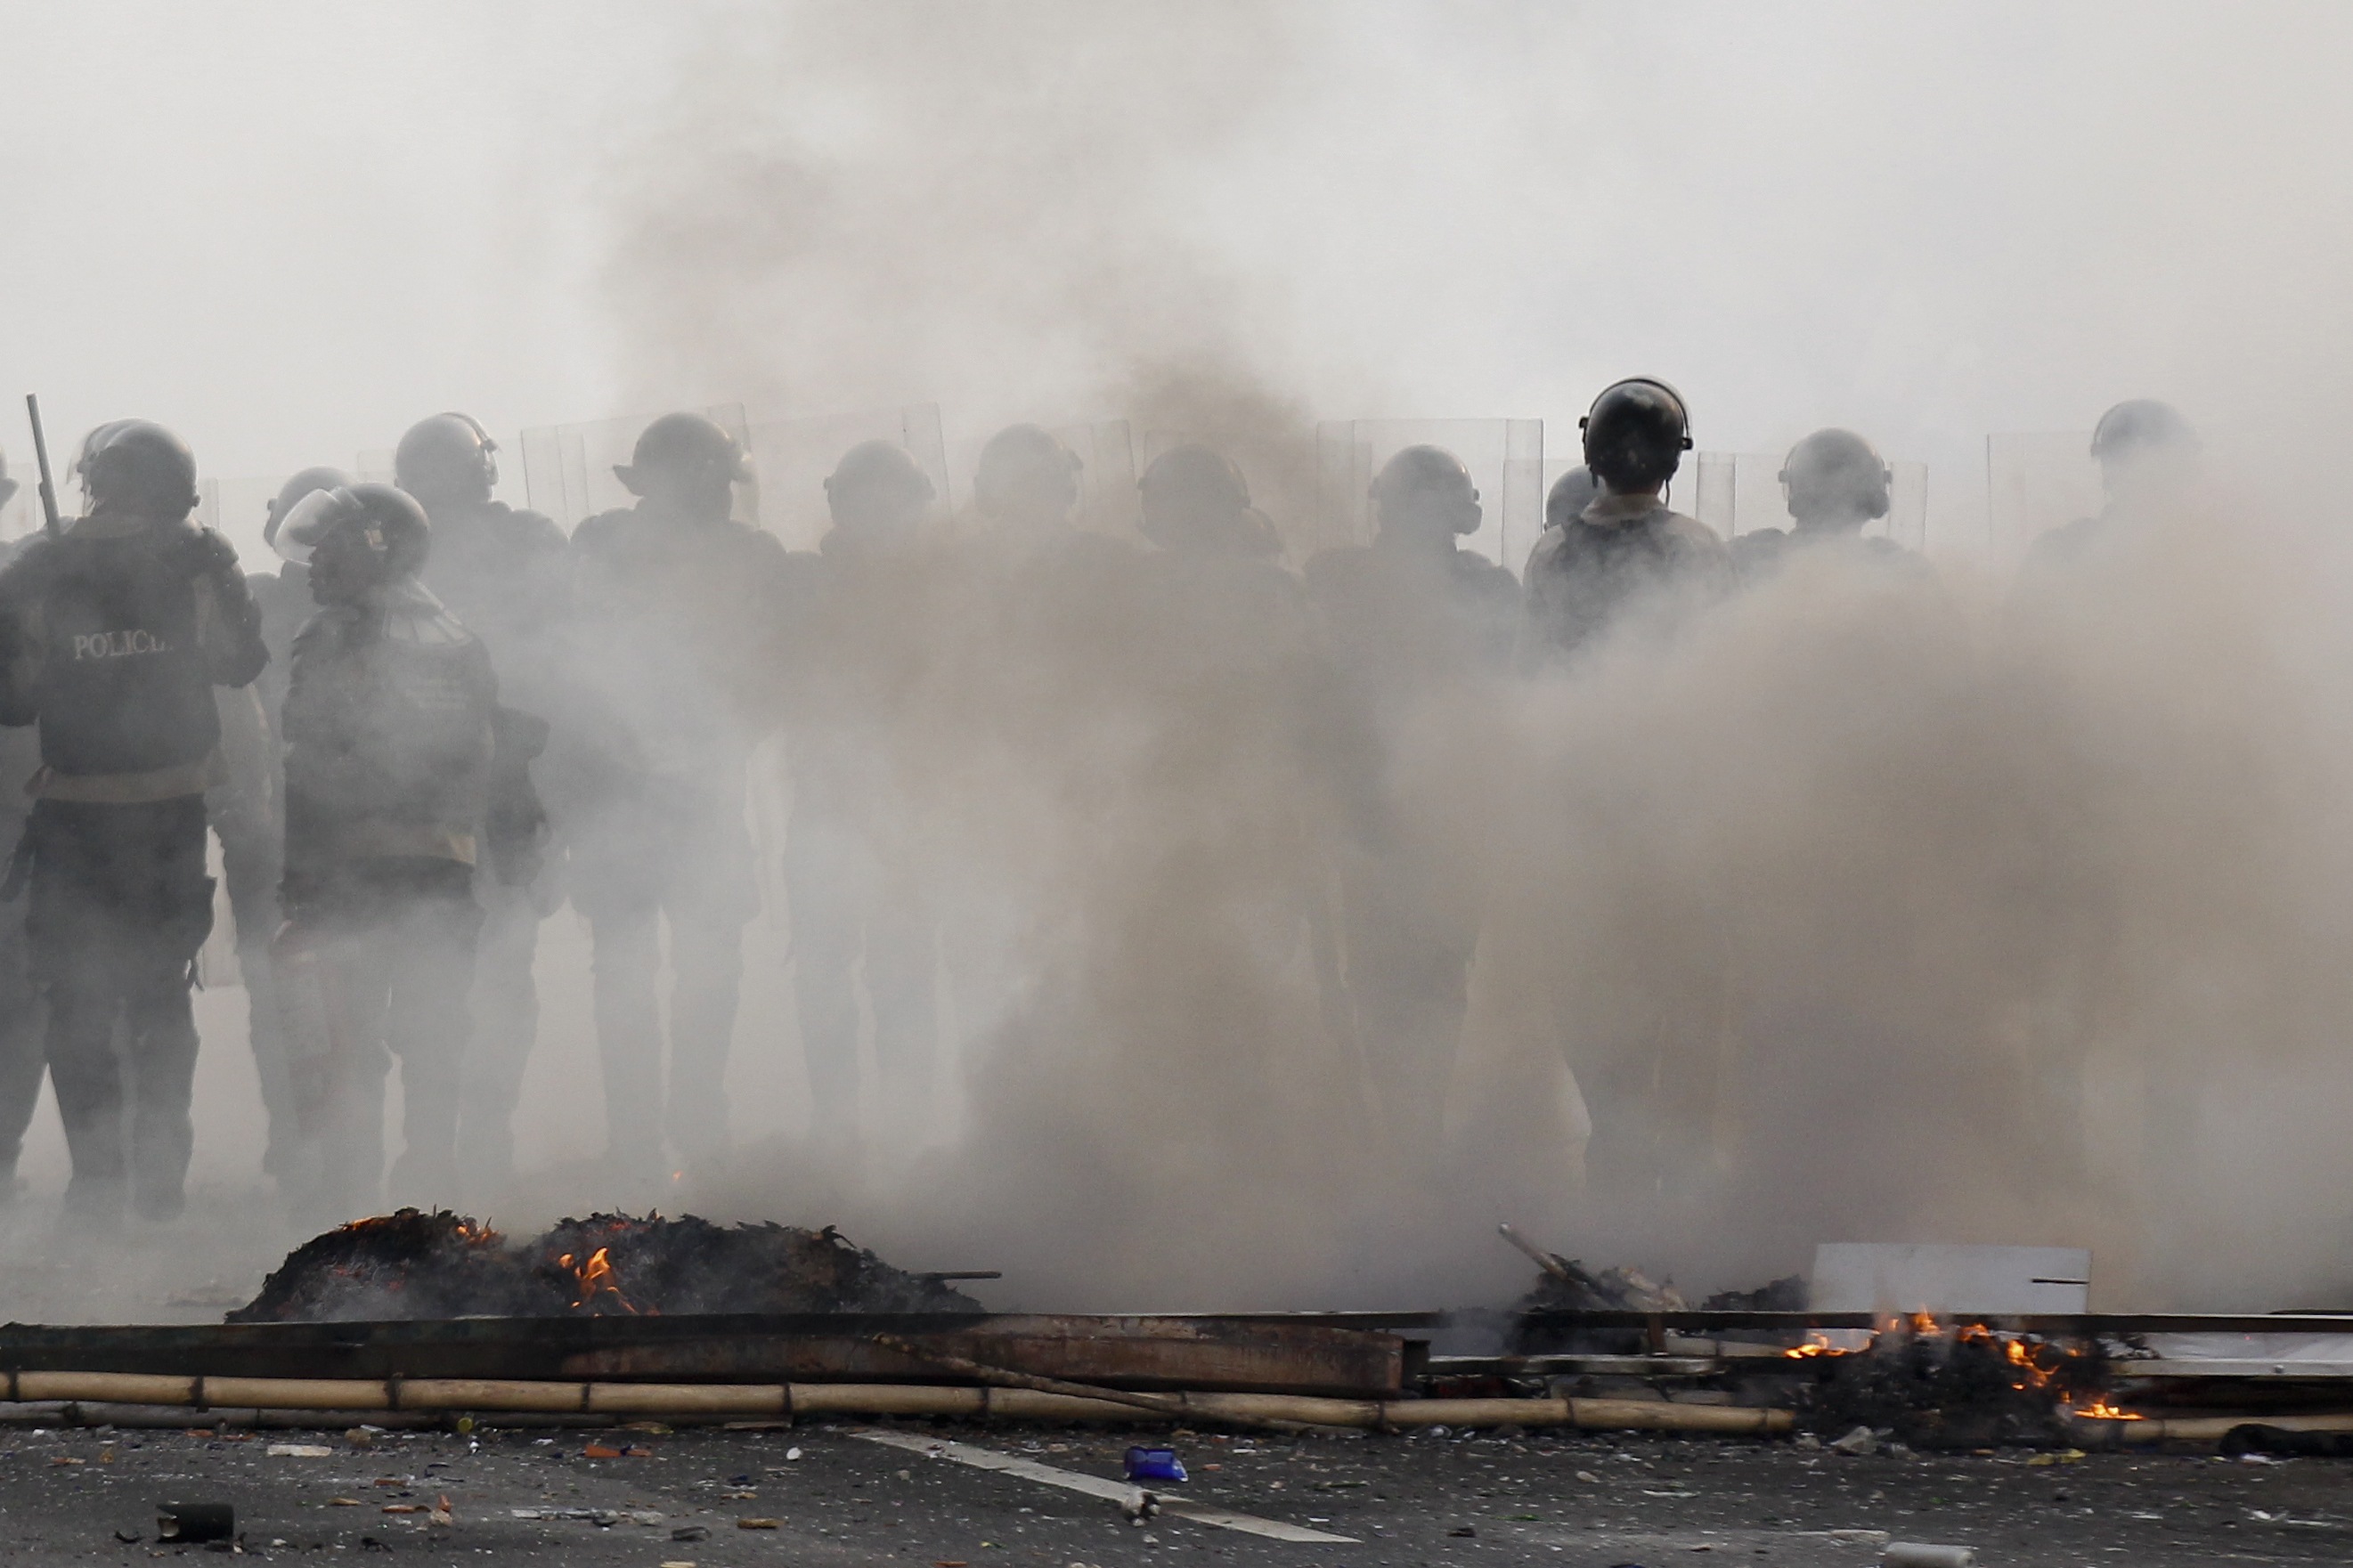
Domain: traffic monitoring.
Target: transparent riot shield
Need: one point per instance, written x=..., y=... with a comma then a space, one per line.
x=1505, y=457
x=239, y=510
x=568, y=469
x=1107, y=494
x=794, y=455
x=22, y=515
x=2035, y=481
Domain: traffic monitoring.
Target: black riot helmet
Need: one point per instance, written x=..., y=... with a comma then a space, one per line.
x=449, y=459
x=304, y=482
x=1569, y=496
x=877, y=488
x=356, y=538
x=2141, y=425
x=138, y=466
x=1636, y=434
x=1425, y=492
x=1834, y=478
x=1196, y=499
x=686, y=463
x=1025, y=475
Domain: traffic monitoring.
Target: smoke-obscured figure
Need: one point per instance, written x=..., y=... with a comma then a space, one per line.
x=248, y=814
x=1647, y=1059
x=2076, y=590
x=860, y=895
x=1836, y=485
x=1569, y=496
x=1419, y=630
x=21, y=1066
x=2148, y=458
x=1626, y=557
x=502, y=574
x=390, y=726
x=679, y=612
x=114, y=635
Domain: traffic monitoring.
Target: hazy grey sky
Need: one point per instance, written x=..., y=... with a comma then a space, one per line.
x=287, y=229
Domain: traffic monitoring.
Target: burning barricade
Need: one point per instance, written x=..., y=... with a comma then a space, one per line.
x=1932, y=1385
x=413, y=1265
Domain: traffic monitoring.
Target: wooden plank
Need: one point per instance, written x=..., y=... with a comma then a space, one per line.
x=1285, y=1354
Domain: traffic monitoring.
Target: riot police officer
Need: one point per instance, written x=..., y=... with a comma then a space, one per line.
x=1836, y=485
x=1627, y=553
x=392, y=797
x=1415, y=626
x=115, y=633
x=678, y=611
x=247, y=815
x=501, y=572
x=861, y=898
x=2148, y=457
x=1651, y=1071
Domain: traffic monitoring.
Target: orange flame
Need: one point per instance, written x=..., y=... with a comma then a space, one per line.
x=597, y=1281
x=2103, y=1409
x=1817, y=1343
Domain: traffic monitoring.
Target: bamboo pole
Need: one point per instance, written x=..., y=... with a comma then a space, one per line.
x=2111, y=1430
x=498, y=1395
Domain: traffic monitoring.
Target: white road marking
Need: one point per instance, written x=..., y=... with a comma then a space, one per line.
x=1097, y=1486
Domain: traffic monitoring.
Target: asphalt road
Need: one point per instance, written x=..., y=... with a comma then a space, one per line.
x=1586, y=1502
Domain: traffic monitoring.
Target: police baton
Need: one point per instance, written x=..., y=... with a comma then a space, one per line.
x=41, y=455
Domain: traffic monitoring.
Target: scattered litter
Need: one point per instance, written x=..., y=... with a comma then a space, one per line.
x=1464, y=1532
x=691, y=1533
x=1917, y=1554
x=192, y=1524
x=299, y=1451
x=442, y=1513
x=755, y=1524
x=129, y=1537
x=404, y=1508
x=607, y=1451
x=1150, y=1465
x=1669, y=1492
x=1139, y=1505
x=791, y=1455
x=342, y=1502
x=1863, y=1440
x=1859, y=1537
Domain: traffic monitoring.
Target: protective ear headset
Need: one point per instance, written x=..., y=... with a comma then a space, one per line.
x=489, y=447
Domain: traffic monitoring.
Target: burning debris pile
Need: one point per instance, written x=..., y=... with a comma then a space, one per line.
x=1969, y=1387
x=412, y=1265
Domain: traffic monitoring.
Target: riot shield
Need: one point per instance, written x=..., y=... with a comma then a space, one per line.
x=568, y=469
x=794, y=455
x=1505, y=457
x=1107, y=495
x=239, y=510
x=2036, y=480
